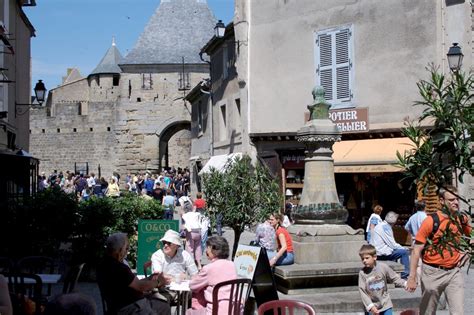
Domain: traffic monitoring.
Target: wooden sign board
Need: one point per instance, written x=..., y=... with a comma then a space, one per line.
x=252, y=262
x=149, y=234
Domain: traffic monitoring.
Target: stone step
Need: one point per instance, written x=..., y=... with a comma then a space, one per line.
x=321, y=277
x=350, y=301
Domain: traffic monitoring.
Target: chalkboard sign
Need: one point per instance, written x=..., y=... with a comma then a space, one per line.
x=149, y=234
x=252, y=262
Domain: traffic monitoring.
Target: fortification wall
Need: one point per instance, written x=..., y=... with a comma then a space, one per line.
x=66, y=138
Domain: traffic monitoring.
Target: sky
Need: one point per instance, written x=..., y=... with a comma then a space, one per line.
x=77, y=33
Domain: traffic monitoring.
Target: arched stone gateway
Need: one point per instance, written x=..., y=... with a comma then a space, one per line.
x=165, y=134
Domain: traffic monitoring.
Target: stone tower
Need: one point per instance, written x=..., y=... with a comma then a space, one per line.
x=128, y=114
x=153, y=121
x=104, y=80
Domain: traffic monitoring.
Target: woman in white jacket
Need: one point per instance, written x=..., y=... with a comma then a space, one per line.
x=192, y=224
x=373, y=221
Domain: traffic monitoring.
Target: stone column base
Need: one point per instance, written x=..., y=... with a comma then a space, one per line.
x=327, y=243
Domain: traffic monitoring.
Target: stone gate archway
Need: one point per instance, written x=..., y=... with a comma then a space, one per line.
x=166, y=131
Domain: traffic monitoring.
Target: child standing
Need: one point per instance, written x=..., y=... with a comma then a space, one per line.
x=373, y=280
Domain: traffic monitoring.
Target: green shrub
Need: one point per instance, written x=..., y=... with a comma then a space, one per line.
x=100, y=217
x=38, y=225
x=41, y=223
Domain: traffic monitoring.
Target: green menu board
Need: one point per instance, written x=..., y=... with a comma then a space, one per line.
x=149, y=234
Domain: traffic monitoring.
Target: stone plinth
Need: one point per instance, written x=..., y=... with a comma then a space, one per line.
x=326, y=243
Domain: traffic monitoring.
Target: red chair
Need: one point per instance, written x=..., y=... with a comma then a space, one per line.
x=285, y=307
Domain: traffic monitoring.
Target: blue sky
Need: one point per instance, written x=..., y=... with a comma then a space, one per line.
x=77, y=33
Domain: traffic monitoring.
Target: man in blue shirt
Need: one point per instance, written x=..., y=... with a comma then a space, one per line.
x=149, y=183
x=414, y=222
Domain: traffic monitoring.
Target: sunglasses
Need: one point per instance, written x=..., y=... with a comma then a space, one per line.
x=166, y=243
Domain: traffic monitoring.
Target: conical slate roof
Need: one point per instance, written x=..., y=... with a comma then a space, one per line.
x=179, y=28
x=109, y=64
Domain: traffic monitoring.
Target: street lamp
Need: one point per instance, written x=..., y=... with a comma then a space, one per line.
x=40, y=93
x=219, y=29
x=455, y=57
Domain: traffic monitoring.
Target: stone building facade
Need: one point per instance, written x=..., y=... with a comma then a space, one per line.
x=129, y=113
x=368, y=56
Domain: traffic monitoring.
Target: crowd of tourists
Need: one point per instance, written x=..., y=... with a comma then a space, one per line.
x=172, y=182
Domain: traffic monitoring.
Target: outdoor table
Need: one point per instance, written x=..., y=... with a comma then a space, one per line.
x=183, y=291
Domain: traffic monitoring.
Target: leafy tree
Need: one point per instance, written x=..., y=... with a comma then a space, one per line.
x=243, y=193
x=444, y=150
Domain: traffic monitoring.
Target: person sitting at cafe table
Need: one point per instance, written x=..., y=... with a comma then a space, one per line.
x=219, y=269
x=121, y=289
x=172, y=261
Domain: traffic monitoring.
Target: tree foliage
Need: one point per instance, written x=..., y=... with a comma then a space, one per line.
x=243, y=193
x=41, y=224
x=444, y=151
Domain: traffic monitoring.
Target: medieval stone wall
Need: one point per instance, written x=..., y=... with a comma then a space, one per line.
x=66, y=138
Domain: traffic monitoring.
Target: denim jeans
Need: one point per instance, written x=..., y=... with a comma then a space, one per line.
x=386, y=312
x=168, y=215
x=402, y=254
x=219, y=224
x=286, y=259
x=203, y=240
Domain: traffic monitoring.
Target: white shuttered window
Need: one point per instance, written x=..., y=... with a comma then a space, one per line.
x=334, y=64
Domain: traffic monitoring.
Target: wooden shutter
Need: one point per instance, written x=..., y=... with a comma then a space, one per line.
x=343, y=92
x=326, y=65
x=333, y=59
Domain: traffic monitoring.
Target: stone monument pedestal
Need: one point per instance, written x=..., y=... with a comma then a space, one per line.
x=326, y=243
x=326, y=259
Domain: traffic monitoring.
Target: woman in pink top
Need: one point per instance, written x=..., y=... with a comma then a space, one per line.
x=219, y=270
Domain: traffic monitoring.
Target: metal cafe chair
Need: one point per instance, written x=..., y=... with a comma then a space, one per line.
x=26, y=292
x=239, y=293
x=282, y=307
x=71, y=278
x=37, y=265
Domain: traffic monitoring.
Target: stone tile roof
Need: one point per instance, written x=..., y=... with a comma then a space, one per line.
x=109, y=63
x=178, y=28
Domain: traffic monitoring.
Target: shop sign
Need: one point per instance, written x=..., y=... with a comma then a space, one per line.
x=349, y=120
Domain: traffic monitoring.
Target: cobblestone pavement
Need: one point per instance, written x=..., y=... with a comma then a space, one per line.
x=92, y=289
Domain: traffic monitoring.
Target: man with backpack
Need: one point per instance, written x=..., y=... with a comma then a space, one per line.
x=441, y=270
